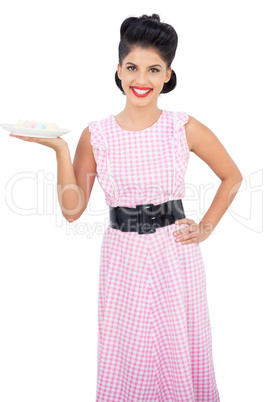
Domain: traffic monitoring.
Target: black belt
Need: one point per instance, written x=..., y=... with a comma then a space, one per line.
x=146, y=218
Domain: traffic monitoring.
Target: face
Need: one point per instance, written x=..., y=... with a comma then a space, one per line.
x=143, y=74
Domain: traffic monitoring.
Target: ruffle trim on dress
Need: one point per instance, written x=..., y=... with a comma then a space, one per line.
x=181, y=152
x=97, y=140
x=101, y=153
x=182, y=118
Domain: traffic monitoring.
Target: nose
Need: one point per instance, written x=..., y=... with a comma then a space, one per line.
x=141, y=79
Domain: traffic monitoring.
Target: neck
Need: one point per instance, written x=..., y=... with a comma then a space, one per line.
x=143, y=116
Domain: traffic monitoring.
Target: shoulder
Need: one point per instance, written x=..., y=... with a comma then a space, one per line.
x=84, y=144
x=198, y=134
x=86, y=132
x=206, y=145
x=85, y=136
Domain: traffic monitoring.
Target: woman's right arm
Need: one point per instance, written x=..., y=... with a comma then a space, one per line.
x=84, y=167
x=74, y=180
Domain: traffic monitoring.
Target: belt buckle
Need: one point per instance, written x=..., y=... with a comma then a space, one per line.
x=145, y=220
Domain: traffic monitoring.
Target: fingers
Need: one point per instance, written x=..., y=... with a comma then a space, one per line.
x=54, y=143
x=188, y=238
x=188, y=233
x=184, y=220
x=185, y=229
x=23, y=138
x=191, y=233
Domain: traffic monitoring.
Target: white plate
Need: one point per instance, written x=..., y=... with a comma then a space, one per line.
x=32, y=132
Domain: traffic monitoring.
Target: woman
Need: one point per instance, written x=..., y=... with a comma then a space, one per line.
x=154, y=329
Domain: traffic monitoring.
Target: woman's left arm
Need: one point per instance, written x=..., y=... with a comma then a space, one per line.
x=205, y=144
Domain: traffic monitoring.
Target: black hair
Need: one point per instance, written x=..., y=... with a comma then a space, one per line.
x=148, y=32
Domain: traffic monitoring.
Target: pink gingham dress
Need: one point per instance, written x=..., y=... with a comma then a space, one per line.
x=154, y=334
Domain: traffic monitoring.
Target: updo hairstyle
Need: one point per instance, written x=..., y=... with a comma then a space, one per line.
x=148, y=32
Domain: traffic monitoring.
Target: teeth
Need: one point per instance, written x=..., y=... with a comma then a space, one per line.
x=140, y=91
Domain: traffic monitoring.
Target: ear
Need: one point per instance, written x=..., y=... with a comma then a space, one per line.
x=169, y=71
x=119, y=71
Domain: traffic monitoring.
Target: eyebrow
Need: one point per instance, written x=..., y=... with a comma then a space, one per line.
x=154, y=65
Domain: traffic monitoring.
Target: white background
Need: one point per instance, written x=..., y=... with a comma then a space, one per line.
x=58, y=61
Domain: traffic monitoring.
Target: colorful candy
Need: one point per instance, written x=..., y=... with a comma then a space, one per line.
x=37, y=125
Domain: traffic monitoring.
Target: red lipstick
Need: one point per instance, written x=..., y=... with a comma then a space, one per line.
x=142, y=88
x=141, y=95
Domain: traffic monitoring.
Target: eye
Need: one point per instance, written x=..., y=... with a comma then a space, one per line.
x=153, y=69
x=128, y=68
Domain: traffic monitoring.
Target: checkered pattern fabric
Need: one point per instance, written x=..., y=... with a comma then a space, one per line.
x=154, y=338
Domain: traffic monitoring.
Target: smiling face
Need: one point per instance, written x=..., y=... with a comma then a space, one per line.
x=143, y=74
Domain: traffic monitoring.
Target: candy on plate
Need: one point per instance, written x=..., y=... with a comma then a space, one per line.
x=37, y=125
